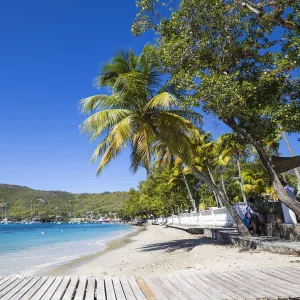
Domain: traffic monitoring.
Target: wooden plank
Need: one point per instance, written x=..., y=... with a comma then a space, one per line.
x=165, y=288
x=295, y=267
x=268, y=278
x=9, y=281
x=61, y=289
x=129, y=294
x=33, y=288
x=100, y=293
x=292, y=280
x=16, y=289
x=6, y=279
x=90, y=290
x=80, y=292
x=9, y=287
x=217, y=287
x=204, y=288
x=237, y=287
x=174, y=284
x=292, y=269
x=289, y=273
x=227, y=285
x=137, y=289
x=157, y=292
x=52, y=289
x=239, y=282
x=71, y=289
x=118, y=288
x=264, y=285
x=110, y=292
x=186, y=288
x=40, y=293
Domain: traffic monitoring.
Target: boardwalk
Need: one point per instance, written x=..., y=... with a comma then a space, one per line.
x=271, y=283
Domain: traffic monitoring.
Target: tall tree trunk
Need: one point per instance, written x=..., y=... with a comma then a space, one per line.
x=189, y=191
x=296, y=170
x=219, y=202
x=242, y=229
x=223, y=186
x=278, y=187
x=241, y=179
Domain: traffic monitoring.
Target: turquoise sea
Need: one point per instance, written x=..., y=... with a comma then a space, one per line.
x=24, y=250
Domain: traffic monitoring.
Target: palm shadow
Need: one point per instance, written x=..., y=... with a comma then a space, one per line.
x=185, y=244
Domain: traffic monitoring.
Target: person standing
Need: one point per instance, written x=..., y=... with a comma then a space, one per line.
x=248, y=215
x=288, y=214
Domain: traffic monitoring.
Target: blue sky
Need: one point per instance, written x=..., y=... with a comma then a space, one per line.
x=50, y=53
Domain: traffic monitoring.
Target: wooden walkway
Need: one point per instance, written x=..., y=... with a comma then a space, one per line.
x=271, y=283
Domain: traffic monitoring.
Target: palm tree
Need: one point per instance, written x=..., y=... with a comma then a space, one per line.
x=206, y=155
x=140, y=112
x=234, y=148
x=164, y=157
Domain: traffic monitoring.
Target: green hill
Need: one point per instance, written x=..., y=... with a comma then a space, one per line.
x=22, y=201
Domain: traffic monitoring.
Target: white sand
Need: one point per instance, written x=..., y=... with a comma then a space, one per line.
x=161, y=250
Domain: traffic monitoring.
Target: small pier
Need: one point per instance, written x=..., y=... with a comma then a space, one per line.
x=270, y=283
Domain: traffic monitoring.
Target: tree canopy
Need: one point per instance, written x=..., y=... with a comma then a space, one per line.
x=238, y=61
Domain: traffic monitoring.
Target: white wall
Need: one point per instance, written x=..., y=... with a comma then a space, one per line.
x=213, y=217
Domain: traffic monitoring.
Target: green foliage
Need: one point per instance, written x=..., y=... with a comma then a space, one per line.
x=160, y=195
x=48, y=204
x=139, y=112
x=243, y=57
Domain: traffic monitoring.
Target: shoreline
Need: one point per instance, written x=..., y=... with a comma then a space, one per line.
x=113, y=244
x=158, y=250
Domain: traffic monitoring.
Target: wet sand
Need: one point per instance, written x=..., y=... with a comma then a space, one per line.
x=161, y=250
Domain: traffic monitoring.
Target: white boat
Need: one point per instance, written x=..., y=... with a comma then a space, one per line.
x=104, y=220
x=36, y=220
x=5, y=222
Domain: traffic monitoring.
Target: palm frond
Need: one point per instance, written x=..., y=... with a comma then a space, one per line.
x=187, y=171
x=113, y=143
x=162, y=154
x=103, y=120
x=142, y=141
x=91, y=103
x=162, y=101
x=190, y=115
x=175, y=135
x=170, y=88
x=123, y=62
x=131, y=89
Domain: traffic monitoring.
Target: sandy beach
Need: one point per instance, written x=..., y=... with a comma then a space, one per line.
x=159, y=250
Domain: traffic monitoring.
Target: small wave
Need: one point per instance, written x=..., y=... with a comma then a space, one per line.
x=39, y=256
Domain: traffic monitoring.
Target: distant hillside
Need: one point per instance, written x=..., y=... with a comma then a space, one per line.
x=50, y=203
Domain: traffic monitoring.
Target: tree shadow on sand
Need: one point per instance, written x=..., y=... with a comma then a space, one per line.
x=185, y=244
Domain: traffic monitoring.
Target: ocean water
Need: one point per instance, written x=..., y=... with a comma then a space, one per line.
x=25, y=251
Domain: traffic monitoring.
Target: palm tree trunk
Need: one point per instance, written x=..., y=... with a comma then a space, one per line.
x=219, y=202
x=241, y=180
x=189, y=191
x=242, y=229
x=223, y=186
x=297, y=173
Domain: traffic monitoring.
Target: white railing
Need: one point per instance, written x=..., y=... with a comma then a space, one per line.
x=213, y=217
